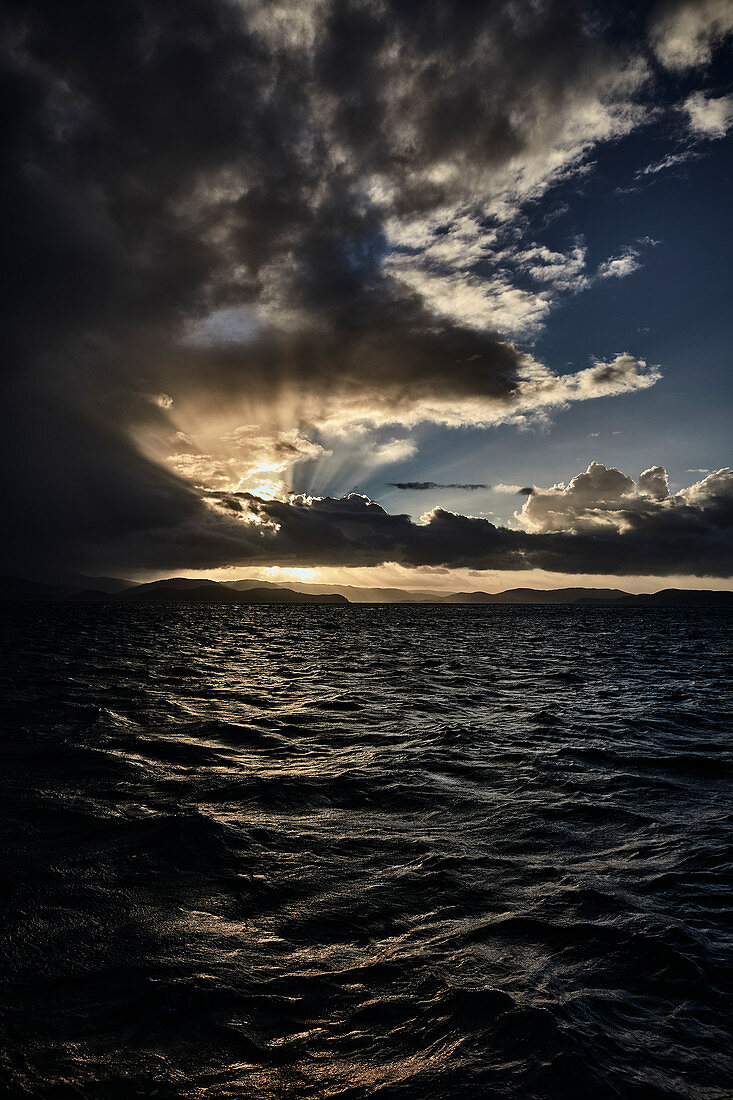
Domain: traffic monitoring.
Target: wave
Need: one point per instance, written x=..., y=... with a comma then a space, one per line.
x=434, y=853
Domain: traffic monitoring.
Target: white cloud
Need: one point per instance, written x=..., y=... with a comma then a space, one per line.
x=654, y=482
x=492, y=304
x=618, y=267
x=581, y=504
x=565, y=271
x=709, y=117
x=626, y=262
x=466, y=256
x=685, y=33
x=393, y=450
x=603, y=499
x=441, y=266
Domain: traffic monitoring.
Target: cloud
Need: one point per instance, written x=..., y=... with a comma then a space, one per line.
x=473, y=300
x=627, y=261
x=592, y=499
x=389, y=375
x=473, y=277
x=393, y=450
x=603, y=500
x=564, y=271
x=654, y=483
x=618, y=267
x=297, y=218
x=245, y=453
x=232, y=325
x=709, y=116
x=668, y=161
x=420, y=486
x=600, y=523
x=162, y=400
x=684, y=33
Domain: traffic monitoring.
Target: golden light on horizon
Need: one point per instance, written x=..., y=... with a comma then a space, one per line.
x=281, y=573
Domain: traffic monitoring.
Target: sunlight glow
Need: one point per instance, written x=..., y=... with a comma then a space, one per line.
x=279, y=573
x=267, y=489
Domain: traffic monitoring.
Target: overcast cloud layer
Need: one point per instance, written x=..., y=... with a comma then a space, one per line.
x=240, y=235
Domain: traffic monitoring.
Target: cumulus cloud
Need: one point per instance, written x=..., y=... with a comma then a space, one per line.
x=654, y=483
x=603, y=500
x=592, y=499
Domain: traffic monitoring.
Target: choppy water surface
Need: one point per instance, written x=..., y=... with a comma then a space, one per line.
x=414, y=852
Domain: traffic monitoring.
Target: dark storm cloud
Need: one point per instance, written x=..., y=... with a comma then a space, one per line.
x=420, y=486
x=162, y=160
x=689, y=532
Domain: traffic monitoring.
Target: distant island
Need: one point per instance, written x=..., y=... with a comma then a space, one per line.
x=191, y=590
x=175, y=590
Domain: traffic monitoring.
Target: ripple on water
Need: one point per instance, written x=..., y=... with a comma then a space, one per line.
x=415, y=852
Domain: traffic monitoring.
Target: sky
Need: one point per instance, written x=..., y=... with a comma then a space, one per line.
x=414, y=293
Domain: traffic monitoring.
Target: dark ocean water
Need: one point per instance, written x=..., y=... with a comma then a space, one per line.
x=411, y=852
